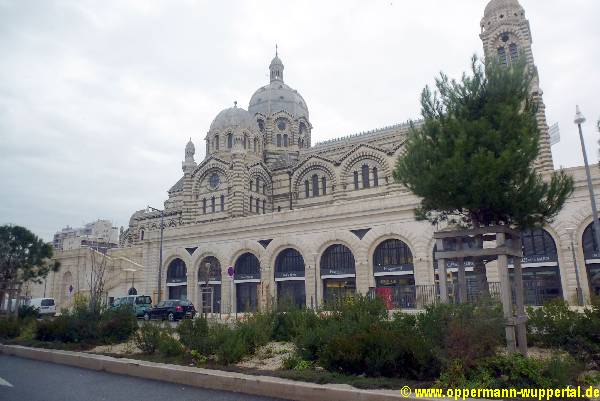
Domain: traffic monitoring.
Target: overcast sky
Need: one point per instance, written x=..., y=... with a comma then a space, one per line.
x=98, y=98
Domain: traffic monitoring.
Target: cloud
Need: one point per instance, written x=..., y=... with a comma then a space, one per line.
x=97, y=100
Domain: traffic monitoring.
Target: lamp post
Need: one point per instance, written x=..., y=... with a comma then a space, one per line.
x=571, y=232
x=580, y=119
x=160, y=252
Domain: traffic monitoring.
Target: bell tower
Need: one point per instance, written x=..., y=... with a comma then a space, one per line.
x=506, y=35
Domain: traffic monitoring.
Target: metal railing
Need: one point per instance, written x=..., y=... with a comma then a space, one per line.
x=536, y=293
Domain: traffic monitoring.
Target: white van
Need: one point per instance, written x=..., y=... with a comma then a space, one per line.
x=44, y=306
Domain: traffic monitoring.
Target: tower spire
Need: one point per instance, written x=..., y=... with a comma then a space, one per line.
x=275, y=49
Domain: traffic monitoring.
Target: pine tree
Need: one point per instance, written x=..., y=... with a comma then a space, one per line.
x=472, y=159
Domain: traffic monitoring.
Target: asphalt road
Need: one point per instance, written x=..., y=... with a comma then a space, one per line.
x=30, y=380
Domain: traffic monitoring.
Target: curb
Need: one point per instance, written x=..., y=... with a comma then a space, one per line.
x=207, y=378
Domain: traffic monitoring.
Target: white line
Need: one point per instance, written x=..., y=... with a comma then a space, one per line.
x=5, y=383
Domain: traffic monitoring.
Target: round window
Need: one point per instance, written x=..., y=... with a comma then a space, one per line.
x=281, y=125
x=214, y=180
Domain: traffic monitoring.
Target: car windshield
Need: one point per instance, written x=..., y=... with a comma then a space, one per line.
x=143, y=300
x=47, y=302
x=161, y=304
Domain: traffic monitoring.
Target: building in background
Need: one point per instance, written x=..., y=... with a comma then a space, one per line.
x=99, y=234
x=270, y=216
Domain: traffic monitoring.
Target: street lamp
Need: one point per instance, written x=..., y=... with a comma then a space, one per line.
x=580, y=119
x=160, y=253
x=579, y=291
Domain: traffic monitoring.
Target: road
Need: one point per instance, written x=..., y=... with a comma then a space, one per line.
x=26, y=379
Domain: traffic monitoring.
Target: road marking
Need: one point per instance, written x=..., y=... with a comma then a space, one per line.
x=5, y=383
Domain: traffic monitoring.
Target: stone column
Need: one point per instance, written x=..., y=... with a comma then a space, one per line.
x=363, y=281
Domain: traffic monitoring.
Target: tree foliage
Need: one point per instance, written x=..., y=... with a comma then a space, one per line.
x=472, y=159
x=23, y=256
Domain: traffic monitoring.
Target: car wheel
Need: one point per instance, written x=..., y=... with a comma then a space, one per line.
x=171, y=317
x=146, y=316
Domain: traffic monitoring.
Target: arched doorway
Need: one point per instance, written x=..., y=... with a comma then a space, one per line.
x=177, y=279
x=289, y=277
x=67, y=289
x=394, y=274
x=541, y=273
x=209, y=284
x=247, y=280
x=338, y=272
x=591, y=253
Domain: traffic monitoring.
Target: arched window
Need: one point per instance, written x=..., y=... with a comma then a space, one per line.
x=212, y=272
x=261, y=125
x=141, y=234
x=222, y=203
x=255, y=145
x=285, y=140
x=537, y=242
x=590, y=246
x=502, y=56
x=392, y=253
x=245, y=141
x=375, y=177
x=315, y=185
x=324, y=185
x=365, y=176
x=251, y=203
x=264, y=206
x=216, y=142
x=306, y=189
x=257, y=184
x=247, y=266
x=289, y=263
x=514, y=52
x=251, y=185
x=302, y=127
x=356, y=180
x=278, y=139
x=264, y=189
x=204, y=206
x=257, y=206
x=229, y=140
x=212, y=204
x=177, y=279
x=337, y=260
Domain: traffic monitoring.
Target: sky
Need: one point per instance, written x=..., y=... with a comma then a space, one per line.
x=99, y=98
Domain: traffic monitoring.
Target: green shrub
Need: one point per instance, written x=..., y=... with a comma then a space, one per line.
x=555, y=325
x=117, y=325
x=193, y=334
x=229, y=345
x=9, y=328
x=148, y=336
x=62, y=329
x=28, y=330
x=28, y=312
x=293, y=362
x=293, y=322
x=169, y=346
x=255, y=331
x=513, y=371
x=464, y=332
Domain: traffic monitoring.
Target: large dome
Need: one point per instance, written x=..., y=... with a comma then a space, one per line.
x=495, y=6
x=275, y=97
x=233, y=117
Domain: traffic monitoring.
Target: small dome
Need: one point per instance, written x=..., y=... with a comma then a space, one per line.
x=276, y=97
x=233, y=117
x=190, y=148
x=495, y=6
x=276, y=62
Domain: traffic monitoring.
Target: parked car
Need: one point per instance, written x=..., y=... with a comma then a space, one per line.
x=44, y=306
x=171, y=309
x=139, y=303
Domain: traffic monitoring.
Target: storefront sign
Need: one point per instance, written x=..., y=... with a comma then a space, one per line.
x=250, y=276
x=176, y=279
x=538, y=259
x=393, y=269
x=289, y=274
x=336, y=272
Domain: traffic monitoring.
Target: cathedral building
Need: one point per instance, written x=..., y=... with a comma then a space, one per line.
x=269, y=216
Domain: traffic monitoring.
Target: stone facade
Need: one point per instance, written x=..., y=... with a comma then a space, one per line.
x=314, y=221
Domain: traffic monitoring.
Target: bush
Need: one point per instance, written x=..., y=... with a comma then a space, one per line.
x=463, y=332
x=193, y=334
x=28, y=312
x=168, y=346
x=293, y=322
x=148, y=336
x=255, y=331
x=555, y=325
x=9, y=328
x=117, y=325
x=228, y=344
